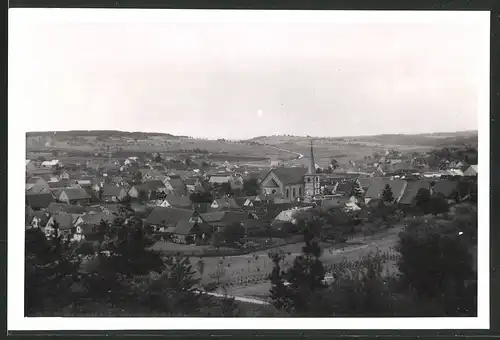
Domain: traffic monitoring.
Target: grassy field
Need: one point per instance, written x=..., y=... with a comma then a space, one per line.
x=343, y=149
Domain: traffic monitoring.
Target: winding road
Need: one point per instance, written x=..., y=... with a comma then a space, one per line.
x=299, y=155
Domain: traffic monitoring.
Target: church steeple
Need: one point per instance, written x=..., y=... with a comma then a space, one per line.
x=312, y=164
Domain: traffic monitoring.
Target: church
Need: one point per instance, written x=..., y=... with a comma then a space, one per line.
x=312, y=183
x=293, y=184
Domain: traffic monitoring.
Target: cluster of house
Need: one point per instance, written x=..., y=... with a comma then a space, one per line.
x=306, y=184
x=394, y=163
x=79, y=196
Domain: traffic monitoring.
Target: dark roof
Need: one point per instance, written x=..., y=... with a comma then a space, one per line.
x=65, y=220
x=176, y=183
x=154, y=184
x=289, y=176
x=95, y=219
x=252, y=223
x=191, y=181
x=412, y=189
x=39, y=201
x=179, y=201
x=227, y=203
x=258, y=174
x=88, y=229
x=55, y=208
x=365, y=182
x=334, y=202
x=344, y=186
x=241, y=200
x=377, y=187
x=92, y=194
x=113, y=191
x=445, y=187
x=63, y=183
x=112, y=208
x=225, y=218
x=76, y=193
x=44, y=218
x=28, y=213
x=93, y=208
x=183, y=227
x=168, y=216
x=33, y=180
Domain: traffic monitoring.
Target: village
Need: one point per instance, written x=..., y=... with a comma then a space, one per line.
x=230, y=215
x=80, y=195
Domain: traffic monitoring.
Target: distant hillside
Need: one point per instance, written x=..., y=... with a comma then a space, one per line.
x=426, y=139
x=100, y=133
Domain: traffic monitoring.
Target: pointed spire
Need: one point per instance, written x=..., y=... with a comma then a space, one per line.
x=312, y=164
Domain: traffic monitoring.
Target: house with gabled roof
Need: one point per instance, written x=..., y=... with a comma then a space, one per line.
x=175, y=201
x=147, y=188
x=95, y=218
x=185, y=225
x=285, y=182
x=111, y=193
x=56, y=208
x=176, y=185
x=222, y=219
x=471, y=171
x=38, y=219
x=225, y=203
x=66, y=223
x=168, y=217
x=75, y=196
x=37, y=185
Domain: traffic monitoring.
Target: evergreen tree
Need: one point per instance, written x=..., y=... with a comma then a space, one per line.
x=357, y=190
x=422, y=198
x=438, y=204
x=387, y=195
x=305, y=278
x=251, y=187
x=436, y=264
x=334, y=163
x=280, y=295
x=49, y=273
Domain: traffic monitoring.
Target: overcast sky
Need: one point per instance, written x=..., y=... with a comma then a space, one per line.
x=244, y=77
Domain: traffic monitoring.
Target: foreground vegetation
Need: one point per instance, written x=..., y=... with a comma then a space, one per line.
x=121, y=277
x=436, y=275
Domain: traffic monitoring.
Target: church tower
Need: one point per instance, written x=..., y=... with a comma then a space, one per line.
x=311, y=178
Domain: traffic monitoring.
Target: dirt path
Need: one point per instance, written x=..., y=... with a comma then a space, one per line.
x=299, y=155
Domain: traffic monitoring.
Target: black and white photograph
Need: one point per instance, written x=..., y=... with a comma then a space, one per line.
x=263, y=166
